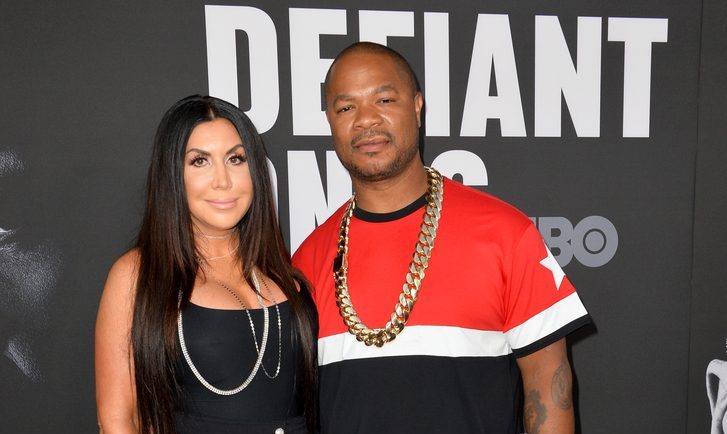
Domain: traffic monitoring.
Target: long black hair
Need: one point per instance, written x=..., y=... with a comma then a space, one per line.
x=168, y=261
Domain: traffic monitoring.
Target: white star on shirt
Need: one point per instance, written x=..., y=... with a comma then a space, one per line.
x=551, y=264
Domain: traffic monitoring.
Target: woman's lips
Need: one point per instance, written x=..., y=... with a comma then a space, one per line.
x=223, y=203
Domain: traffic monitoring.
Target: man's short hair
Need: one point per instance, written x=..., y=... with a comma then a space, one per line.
x=374, y=48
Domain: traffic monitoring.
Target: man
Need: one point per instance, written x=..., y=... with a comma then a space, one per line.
x=444, y=291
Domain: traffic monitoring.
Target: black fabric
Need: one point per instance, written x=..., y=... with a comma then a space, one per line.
x=374, y=217
x=221, y=347
x=553, y=337
x=411, y=392
x=190, y=424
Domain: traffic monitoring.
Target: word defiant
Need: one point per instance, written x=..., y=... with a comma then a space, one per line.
x=492, y=61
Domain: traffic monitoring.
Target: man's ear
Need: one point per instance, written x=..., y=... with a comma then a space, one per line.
x=418, y=104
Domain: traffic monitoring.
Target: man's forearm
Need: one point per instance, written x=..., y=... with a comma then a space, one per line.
x=548, y=389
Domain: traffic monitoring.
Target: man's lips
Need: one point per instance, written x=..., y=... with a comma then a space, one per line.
x=371, y=139
x=371, y=143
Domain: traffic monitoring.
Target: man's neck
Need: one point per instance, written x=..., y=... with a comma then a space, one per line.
x=393, y=193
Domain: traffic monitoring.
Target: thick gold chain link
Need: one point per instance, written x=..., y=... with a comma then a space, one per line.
x=414, y=278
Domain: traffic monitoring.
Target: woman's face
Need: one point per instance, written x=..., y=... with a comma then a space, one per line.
x=216, y=177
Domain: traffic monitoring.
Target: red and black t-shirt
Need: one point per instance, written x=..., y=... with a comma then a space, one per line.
x=492, y=292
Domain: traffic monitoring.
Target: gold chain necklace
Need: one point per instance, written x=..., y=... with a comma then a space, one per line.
x=414, y=278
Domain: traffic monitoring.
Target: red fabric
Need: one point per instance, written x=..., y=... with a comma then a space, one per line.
x=484, y=272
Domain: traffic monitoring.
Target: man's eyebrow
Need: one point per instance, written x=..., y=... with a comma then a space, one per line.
x=341, y=97
x=380, y=89
x=385, y=88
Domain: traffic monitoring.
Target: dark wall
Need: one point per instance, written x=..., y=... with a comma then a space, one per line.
x=709, y=290
x=84, y=85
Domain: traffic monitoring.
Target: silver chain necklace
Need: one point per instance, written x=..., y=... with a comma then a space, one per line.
x=252, y=326
x=261, y=351
x=280, y=335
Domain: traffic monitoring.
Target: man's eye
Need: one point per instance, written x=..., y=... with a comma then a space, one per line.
x=344, y=109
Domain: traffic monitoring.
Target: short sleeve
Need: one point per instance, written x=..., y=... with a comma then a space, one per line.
x=540, y=302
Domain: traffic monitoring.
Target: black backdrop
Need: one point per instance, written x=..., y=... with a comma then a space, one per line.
x=83, y=86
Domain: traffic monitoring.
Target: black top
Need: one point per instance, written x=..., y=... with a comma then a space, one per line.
x=220, y=345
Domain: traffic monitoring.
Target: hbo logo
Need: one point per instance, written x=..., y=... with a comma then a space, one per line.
x=593, y=241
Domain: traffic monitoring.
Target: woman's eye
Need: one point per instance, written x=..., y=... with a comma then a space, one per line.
x=238, y=159
x=198, y=162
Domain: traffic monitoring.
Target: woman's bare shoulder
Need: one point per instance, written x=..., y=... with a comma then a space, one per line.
x=126, y=267
x=121, y=281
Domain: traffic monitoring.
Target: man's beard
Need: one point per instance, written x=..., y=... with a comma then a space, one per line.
x=380, y=172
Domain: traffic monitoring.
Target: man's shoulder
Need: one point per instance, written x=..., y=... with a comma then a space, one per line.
x=322, y=238
x=471, y=203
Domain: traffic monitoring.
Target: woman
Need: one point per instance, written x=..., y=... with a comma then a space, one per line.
x=204, y=326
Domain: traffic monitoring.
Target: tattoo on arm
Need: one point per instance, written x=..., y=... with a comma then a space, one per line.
x=560, y=388
x=534, y=412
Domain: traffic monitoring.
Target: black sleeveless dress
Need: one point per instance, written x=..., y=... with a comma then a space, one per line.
x=220, y=345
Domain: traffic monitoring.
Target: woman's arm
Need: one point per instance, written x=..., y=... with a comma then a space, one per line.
x=115, y=387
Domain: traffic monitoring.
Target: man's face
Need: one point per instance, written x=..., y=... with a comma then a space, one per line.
x=374, y=115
